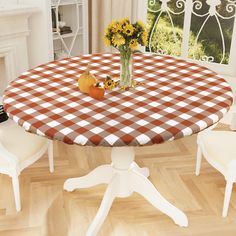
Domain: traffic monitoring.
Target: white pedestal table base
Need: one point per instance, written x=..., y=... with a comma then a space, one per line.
x=123, y=177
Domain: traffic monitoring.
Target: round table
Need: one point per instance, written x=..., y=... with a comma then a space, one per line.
x=175, y=98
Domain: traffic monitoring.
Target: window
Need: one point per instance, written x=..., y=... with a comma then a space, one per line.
x=199, y=30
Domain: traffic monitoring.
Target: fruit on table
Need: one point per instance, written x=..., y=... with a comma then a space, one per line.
x=96, y=92
x=86, y=80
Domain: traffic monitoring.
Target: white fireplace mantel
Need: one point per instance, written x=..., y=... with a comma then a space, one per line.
x=16, y=9
x=14, y=19
x=13, y=41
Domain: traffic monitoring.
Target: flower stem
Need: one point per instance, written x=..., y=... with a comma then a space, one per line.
x=126, y=68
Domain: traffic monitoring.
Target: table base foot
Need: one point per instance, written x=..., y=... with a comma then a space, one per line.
x=144, y=187
x=100, y=175
x=123, y=177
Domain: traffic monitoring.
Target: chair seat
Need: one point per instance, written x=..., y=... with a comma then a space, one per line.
x=216, y=142
x=19, y=142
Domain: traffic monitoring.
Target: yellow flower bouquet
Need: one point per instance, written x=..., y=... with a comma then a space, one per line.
x=126, y=37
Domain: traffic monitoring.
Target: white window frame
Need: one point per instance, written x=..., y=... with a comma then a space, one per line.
x=140, y=12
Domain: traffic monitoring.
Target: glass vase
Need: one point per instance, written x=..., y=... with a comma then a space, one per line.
x=126, y=68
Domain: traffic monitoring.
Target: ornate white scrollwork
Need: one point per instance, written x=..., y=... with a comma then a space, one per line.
x=180, y=4
x=213, y=4
x=165, y=9
x=152, y=2
x=208, y=59
x=197, y=5
x=212, y=12
x=231, y=6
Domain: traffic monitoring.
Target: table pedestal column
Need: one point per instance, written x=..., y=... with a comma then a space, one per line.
x=123, y=177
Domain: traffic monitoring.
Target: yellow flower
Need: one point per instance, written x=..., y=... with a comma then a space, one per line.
x=124, y=22
x=122, y=34
x=118, y=39
x=107, y=31
x=109, y=83
x=128, y=30
x=111, y=25
x=144, y=38
x=115, y=27
x=133, y=44
x=107, y=41
x=141, y=24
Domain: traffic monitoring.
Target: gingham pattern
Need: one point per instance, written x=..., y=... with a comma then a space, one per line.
x=178, y=98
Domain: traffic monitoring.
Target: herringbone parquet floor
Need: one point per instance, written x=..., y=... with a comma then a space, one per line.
x=50, y=211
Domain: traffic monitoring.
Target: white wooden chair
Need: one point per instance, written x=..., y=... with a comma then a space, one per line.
x=219, y=149
x=19, y=149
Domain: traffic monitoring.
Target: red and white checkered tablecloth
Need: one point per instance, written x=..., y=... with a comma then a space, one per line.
x=178, y=98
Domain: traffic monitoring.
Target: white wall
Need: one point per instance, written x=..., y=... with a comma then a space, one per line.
x=8, y=1
x=40, y=37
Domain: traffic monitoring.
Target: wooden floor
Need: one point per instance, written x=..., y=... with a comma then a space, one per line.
x=50, y=211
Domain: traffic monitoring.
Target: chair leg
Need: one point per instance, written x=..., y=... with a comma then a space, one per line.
x=16, y=190
x=199, y=160
x=228, y=191
x=50, y=156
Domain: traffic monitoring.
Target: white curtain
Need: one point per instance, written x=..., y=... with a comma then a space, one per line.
x=101, y=14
